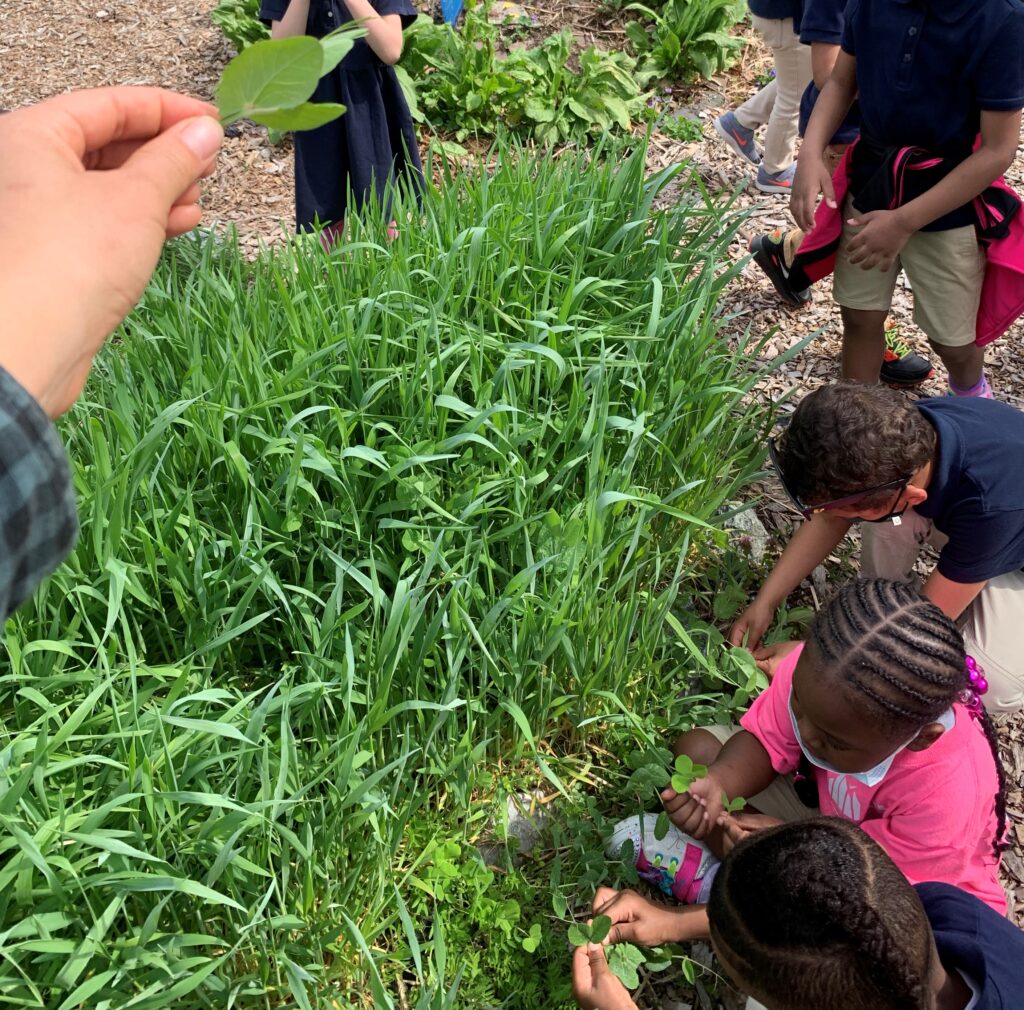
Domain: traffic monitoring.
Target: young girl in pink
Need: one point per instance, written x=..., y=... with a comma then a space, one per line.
x=878, y=713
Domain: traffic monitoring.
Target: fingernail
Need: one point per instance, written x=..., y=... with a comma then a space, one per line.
x=593, y=948
x=203, y=137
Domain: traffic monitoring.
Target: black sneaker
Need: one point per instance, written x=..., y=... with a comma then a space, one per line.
x=769, y=254
x=901, y=366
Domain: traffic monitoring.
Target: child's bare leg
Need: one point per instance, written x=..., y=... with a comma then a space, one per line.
x=964, y=364
x=863, y=344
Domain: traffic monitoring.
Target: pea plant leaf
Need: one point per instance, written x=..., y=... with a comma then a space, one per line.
x=661, y=826
x=624, y=959
x=734, y=804
x=269, y=76
x=686, y=773
x=271, y=82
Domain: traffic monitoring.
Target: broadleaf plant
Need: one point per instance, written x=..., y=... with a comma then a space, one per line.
x=271, y=82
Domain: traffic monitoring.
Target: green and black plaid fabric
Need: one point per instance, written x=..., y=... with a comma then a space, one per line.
x=38, y=518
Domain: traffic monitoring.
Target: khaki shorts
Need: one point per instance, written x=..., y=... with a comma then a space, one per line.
x=779, y=799
x=946, y=270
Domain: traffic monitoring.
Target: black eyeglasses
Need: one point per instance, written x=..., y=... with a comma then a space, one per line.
x=807, y=511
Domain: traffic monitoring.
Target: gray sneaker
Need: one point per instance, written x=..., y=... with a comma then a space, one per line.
x=738, y=137
x=779, y=182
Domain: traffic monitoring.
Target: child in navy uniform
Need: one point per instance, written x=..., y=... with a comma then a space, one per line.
x=815, y=915
x=375, y=140
x=933, y=76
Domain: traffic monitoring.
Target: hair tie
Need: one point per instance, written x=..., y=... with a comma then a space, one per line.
x=977, y=685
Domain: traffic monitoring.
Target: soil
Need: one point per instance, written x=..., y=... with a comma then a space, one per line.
x=47, y=48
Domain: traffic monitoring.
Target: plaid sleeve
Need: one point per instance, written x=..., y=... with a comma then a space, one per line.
x=38, y=518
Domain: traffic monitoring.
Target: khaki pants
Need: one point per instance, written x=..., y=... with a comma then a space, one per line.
x=945, y=268
x=991, y=625
x=778, y=104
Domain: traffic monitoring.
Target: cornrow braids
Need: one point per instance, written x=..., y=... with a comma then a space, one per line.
x=847, y=437
x=1001, y=844
x=815, y=914
x=901, y=660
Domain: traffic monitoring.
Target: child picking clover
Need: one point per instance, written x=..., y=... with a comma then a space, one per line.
x=879, y=713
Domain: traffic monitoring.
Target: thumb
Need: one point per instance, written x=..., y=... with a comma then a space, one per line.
x=173, y=161
x=598, y=962
x=828, y=190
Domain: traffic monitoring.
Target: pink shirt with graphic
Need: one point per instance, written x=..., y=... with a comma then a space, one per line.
x=933, y=813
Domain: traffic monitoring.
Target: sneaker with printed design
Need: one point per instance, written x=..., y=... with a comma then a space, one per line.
x=738, y=137
x=770, y=254
x=676, y=864
x=776, y=182
x=901, y=366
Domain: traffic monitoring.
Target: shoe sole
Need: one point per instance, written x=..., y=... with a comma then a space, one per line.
x=767, y=264
x=734, y=145
x=770, y=187
x=905, y=383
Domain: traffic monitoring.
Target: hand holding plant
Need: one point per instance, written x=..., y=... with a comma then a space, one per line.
x=634, y=919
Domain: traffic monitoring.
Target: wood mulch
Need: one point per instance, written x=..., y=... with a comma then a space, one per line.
x=48, y=47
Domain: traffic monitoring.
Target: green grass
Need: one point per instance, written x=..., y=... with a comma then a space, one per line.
x=369, y=541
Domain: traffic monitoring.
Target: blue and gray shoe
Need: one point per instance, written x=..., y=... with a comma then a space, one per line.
x=738, y=137
x=776, y=182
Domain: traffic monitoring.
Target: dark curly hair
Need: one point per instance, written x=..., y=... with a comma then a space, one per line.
x=848, y=436
x=899, y=660
x=815, y=914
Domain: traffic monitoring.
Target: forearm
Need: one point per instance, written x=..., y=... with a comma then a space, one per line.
x=823, y=59
x=383, y=34
x=829, y=112
x=810, y=545
x=690, y=922
x=743, y=767
x=294, y=21
x=969, y=179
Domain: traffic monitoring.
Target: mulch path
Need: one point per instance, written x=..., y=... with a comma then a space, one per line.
x=47, y=47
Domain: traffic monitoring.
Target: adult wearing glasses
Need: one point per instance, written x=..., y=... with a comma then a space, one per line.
x=946, y=472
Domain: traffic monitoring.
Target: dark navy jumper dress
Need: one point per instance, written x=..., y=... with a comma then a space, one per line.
x=373, y=141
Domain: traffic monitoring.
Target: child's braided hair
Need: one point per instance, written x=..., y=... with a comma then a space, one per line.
x=903, y=658
x=816, y=914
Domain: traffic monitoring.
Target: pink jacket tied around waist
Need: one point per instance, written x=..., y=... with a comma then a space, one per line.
x=1001, y=232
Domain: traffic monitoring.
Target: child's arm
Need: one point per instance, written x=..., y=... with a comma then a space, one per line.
x=742, y=768
x=294, y=21
x=811, y=544
x=885, y=232
x=812, y=177
x=383, y=34
x=952, y=598
x=823, y=59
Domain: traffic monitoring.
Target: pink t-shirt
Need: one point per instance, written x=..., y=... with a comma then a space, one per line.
x=933, y=813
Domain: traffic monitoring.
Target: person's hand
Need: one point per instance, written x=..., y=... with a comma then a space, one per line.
x=812, y=178
x=880, y=238
x=696, y=811
x=750, y=626
x=91, y=185
x=736, y=827
x=769, y=657
x=637, y=920
x=593, y=984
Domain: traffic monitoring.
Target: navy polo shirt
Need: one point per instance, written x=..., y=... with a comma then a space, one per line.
x=976, y=491
x=822, y=21
x=977, y=942
x=777, y=10
x=926, y=69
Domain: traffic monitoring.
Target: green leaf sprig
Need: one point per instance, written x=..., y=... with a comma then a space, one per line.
x=271, y=82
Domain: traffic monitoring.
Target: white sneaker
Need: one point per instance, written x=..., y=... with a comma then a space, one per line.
x=676, y=865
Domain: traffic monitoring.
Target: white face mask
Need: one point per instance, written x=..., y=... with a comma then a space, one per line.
x=872, y=776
